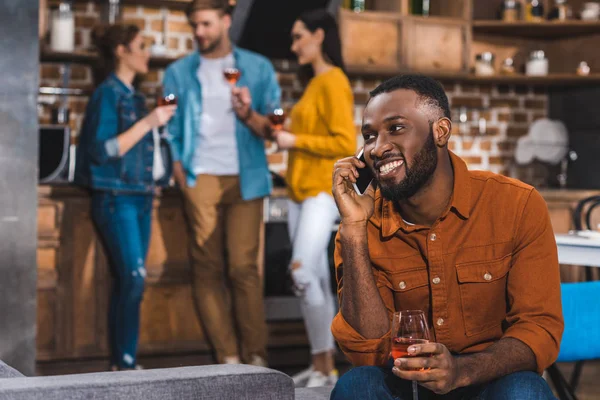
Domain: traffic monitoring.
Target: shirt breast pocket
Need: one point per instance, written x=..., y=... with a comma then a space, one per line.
x=483, y=298
x=127, y=117
x=410, y=289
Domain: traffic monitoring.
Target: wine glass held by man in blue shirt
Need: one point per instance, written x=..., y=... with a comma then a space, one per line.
x=122, y=160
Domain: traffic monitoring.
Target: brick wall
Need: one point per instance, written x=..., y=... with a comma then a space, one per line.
x=506, y=110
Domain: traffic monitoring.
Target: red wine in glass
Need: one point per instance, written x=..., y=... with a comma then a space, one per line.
x=167, y=100
x=277, y=118
x=232, y=75
x=400, y=346
x=408, y=328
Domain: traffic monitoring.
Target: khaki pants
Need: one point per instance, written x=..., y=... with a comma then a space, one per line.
x=225, y=227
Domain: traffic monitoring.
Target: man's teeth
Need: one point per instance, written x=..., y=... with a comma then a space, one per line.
x=389, y=167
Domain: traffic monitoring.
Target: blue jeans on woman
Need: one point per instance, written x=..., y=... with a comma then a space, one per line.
x=123, y=222
x=375, y=383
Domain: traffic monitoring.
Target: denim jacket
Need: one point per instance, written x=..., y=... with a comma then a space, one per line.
x=112, y=109
x=181, y=78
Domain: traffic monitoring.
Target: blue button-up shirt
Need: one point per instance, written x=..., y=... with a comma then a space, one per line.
x=257, y=73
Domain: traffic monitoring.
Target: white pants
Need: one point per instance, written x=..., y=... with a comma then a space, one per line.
x=309, y=226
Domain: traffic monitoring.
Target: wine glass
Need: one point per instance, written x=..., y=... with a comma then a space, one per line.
x=165, y=99
x=276, y=118
x=232, y=75
x=408, y=327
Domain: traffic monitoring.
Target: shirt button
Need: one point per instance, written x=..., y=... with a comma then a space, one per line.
x=436, y=280
x=402, y=285
x=433, y=237
x=440, y=321
x=148, y=168
x=487, y=276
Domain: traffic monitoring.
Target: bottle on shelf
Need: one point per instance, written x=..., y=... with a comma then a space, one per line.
x=357, y=5
x=561, y=11
x=420, y=7
x=534, y=11
x=510, y=11
x=62, y=31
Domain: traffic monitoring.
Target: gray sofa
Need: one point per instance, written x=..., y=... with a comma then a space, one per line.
x=214, y=382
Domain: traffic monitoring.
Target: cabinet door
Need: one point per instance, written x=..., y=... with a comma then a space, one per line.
x=370, y=39
x=436, y=44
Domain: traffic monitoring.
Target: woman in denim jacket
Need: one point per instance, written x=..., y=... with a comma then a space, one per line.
x=122, y=159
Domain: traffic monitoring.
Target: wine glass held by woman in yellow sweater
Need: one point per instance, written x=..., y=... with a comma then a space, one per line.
x=322, y=131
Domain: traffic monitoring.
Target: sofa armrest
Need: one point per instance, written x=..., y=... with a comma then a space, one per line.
x=221, y=382
x=7, y=371
x=314, y=393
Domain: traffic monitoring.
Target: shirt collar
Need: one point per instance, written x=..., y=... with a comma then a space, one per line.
x=196, y=58
x=122, y=85
x=391, y=220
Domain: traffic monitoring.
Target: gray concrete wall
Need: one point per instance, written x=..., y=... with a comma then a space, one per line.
x=19, y=49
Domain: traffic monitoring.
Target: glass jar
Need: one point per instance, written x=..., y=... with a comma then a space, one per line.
x=484, y=64
x=590, y=11
x=583, y=69
x=62, y=31
x=508, y=66
x=537, y=65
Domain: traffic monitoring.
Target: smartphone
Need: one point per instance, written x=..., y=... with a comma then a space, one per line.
x=365, y=176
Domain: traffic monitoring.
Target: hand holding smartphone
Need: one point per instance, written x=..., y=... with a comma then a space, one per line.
x=365, y=176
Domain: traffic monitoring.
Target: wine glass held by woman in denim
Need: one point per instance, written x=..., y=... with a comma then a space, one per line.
x=122, y=159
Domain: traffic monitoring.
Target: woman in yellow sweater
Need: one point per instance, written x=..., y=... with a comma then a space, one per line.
x=322, y=131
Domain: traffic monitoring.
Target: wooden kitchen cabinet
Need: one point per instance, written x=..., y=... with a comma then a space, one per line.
x=388, y=38
x=371, y=39
x=387, y=41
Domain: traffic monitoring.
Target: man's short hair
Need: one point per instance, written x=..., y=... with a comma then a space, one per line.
x=430, y=91
x=226, y=6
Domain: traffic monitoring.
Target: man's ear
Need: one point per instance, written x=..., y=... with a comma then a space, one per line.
x=442, y=130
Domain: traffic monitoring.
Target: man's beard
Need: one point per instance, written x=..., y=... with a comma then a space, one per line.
x=211, y=46
x=417, y=175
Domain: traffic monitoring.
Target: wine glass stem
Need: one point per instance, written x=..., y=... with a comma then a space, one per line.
x=415, y=388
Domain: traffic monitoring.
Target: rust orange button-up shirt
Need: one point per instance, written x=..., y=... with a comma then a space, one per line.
x=486, y=269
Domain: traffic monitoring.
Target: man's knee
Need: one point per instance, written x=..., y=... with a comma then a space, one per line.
x=359, y=383
x=520, y=385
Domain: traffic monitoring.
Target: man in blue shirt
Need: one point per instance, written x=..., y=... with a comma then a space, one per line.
x=220, y=165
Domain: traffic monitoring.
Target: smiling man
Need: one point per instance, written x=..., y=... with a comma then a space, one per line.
x=474, y=250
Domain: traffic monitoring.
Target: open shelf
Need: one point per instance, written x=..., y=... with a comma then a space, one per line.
x=537, y=30
x=89, y=58
x=517, y=79
x=171, y=4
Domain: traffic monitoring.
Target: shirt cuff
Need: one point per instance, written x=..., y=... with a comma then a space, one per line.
x=542, y=344
x=112, y=147
x=302, y=142
x=358, y=349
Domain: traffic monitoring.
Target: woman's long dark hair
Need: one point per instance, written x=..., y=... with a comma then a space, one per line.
x=107, y=38
x=331, y=46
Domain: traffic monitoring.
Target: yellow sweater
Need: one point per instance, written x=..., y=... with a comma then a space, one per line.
x=323, y=123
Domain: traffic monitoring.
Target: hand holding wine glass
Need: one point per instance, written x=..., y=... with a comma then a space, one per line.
x=242, y=102
x=408, y=328
x=418, y=359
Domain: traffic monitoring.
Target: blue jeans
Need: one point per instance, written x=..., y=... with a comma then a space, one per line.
x=375, y=383
x=123, y=222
